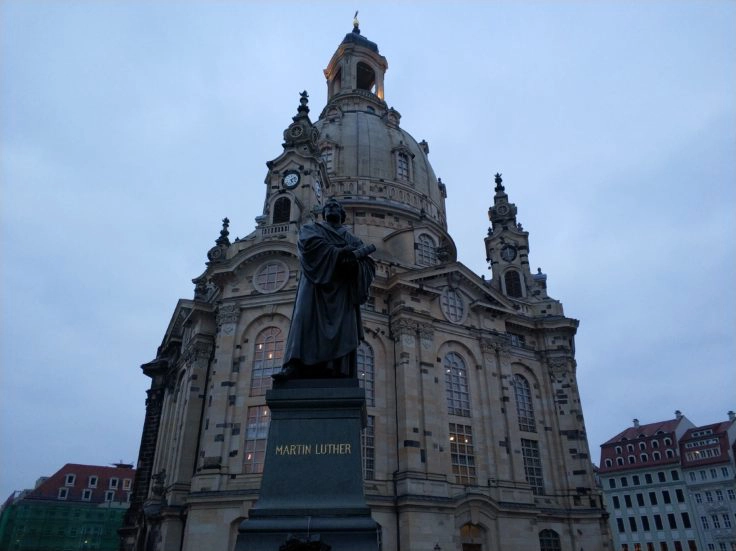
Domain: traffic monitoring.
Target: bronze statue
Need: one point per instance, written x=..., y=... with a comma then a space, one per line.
x=326, y=326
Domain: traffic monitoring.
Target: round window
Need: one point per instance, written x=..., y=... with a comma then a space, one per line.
x=452, y=305
x=271, y=277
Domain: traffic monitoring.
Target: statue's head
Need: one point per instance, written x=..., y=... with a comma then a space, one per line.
x=332, y=211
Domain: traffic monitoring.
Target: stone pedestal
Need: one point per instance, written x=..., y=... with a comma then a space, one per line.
x=312, y=488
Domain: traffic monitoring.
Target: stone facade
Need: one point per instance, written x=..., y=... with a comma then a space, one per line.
x=476, y=439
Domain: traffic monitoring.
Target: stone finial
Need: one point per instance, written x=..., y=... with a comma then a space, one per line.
x=356, y=23
x=678, y=414
x=223, y=239
x=636, y=423
x=303, y=101
x=497, y=178
x=731, y=416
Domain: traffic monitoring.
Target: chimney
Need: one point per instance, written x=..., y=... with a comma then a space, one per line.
x=731, y=416
x=678, y=414
x=636, y=423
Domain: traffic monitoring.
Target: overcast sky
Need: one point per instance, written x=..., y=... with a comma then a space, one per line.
x=130, y=129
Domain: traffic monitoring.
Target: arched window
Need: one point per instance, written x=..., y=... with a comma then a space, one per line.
x=524, y=405
x=619, y=461
x=656, y=456
x=549, y=540
x=642, y=446
x=644, y=458
x=630, y=447
x=271, y=277
x=366, y=372
x=632, y=459
x=609, y=463
x=670, y=454
x=281, y=210
x=655, y=443
x=426, y=250
x=512, y=279
x=366, y=77
x=618, y=449
x=267, y=356
x=456, y=383
x=402, y=166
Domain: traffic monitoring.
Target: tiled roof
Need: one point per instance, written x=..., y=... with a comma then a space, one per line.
x=717, y=428
x=75, y=479
x=632, y=433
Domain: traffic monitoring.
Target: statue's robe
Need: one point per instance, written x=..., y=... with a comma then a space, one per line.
x=326, y=326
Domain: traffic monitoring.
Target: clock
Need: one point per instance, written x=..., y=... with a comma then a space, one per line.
x=508, y=253
x=502, y=210
x=317, y=190
x=290, y=179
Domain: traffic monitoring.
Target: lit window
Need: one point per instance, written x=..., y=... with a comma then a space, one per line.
x=524, y=406
x=127, y=483
x=532, y=465
x=271, y=277
x=456, y=385
x=267, y=356
x=452, y=305
x=512, y=279
x=461, y=451
x=549, y=540
x=366, y=372
x=368, y=437
x=256, y=436
x=426, y=250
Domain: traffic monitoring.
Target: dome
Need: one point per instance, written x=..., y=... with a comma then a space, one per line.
x=368, y=156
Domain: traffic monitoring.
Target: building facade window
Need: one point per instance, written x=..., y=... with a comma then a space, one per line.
x=113, y=484
x=366, y=372
x=462, y=455
x=328, y=157
x=456, y=385
x=268, y=354
x=109, y=495
x=368, y=440
x=63, y=493
x=271, y=277
x=86, y=495
x=402, y=166
x=92, y=481
x=549, y=540
x=524, y=405
x=281, y=210
x=532, y=465
x=452, y=305
x=426, y=250
x=256, y=436
x=512, y=281
x=70, y=479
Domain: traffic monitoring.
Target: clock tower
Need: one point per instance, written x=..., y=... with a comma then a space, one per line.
x=296, y=181
x=507, y=252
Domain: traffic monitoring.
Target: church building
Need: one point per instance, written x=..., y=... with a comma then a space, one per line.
x=475, y=438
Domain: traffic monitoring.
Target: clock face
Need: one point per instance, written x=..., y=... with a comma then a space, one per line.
x=290, y=179
x=502, y=209
x=508, y=253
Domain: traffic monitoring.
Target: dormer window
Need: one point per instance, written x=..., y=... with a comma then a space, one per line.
x=402, y=166
x=426, y=250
